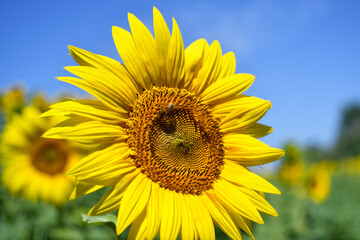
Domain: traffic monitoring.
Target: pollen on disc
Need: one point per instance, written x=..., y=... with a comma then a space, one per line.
x=176, y=139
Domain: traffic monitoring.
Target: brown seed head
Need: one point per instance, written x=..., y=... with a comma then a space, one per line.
x=176, y=139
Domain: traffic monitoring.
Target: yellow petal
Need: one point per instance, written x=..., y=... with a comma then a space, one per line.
x=133, y=202
x=108, y=156
x=54, y=112
x=14, y=136
x=170, y=219
x=248, y=223
x=108, y=203
x=194, y=54
x=125, y=45
x=227, y=88
x=111, y=175
x=105, y=169
x=241, y=222
x=82, y=188
x=241, y=176
x=231, y=197
x=241, y=114
x=106, y=98
x=259, y=202
x=256, y=130
x=91, y=109
x=244, y=117
x=249, y=151
x=162, y=41
x=175, y=59
x=86, y=58
x=121, y=90
x=87, y=132
x=15, y=184
x=221, y=217
x=153, y=212
x=188, y=229
x=138, y=228
x=228, y=65
x=210, y=69
x=202, y=218
x=111, y=200
x=145, y=44
x=239, y=102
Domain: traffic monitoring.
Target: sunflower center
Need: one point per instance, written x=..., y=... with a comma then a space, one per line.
x=50, y=156
x=176, y=139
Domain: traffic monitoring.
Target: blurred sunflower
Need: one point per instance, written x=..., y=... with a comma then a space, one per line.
x=175, y=133
x=349, y=165
x=318, y=183
x=33, y=166
x=292, y=170
x=356, y=165
x=12, y=101
x=292, y=174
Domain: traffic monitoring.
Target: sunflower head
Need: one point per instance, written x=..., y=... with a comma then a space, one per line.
x=175, y=135
x=177, y=140
x=34, y=166
x=318, y=184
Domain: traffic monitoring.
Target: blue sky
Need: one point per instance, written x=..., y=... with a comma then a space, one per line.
x=305, y=54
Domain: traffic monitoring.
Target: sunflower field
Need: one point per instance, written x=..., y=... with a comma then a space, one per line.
x=167, y=143
x=319, y=197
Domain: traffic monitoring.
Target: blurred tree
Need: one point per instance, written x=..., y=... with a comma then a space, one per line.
x=348, y=142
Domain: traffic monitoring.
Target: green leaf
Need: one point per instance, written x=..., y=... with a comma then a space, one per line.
x=108, y=220
x=102, y=219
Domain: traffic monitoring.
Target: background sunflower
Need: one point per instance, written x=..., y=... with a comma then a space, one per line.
x=34, y=166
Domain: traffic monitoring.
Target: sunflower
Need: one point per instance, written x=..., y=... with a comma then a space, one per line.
x=292, y=170
x=175, y=136
x=35, y=167
x=292, y=174
x=319, y=183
